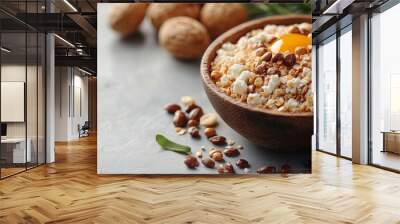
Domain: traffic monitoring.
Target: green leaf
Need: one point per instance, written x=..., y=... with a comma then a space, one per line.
x=172, y=146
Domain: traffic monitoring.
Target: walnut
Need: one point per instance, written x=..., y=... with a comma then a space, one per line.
x=126, y=18
x=158, y=13
x=220, y=17
x=184, y=37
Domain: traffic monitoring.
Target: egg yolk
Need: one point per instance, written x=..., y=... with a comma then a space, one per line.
x=290, y=42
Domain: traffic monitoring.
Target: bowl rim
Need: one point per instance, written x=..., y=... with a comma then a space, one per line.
x=217, y=43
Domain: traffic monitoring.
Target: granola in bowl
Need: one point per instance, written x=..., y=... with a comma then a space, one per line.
x=268, y=68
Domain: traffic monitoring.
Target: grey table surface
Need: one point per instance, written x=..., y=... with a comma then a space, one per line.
x=136, y=78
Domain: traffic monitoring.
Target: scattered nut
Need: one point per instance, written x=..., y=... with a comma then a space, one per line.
x=207, y=162
x=188, y=100
x=158, y=13
x=126, y=18
x=196, y=114
x=210, y=132
x=242, y=163
x=191, y=162
x=240, y=147
x=209, y=120
x=230, y=142
x=190, y=107
x=216, y=155
x=266, y=169
x=194, y=132
x=193, y=123
x=184, y=37
x=228, y=168
x=231, y=151
x=218, y=140
x=199, y=154
x=180, y=119
x=220, y=17
x=221, y=169
x=172, y=108
x=180, y=131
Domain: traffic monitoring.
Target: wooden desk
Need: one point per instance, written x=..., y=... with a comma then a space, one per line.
x=391, y=141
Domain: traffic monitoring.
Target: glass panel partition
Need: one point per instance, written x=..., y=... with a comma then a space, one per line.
x=327, y=95
x=346, y=92
x=385, y=89
x=14, y=153
x=23, y=89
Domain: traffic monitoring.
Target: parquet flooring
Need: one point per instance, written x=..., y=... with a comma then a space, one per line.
x=70, y=191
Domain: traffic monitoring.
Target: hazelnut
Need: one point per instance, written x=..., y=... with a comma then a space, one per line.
x=158, y=13
x=188, y=101
x=190, y=107
x=180, y=119
x=193, y=123
x=266, y=169
x=207, y=162
x=209, y=120
x=218, y=140
x=228, y=167
x=216, y=155
x=126, y=18
x=191, y=162
x=220, y=17
x=196, y=114
x=172, y=108
x=210, y=132
x=184, y=37
x=242, y=163
x=194, y=132
x=231, y=151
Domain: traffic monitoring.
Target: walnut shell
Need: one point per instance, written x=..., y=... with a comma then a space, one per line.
x=220, y=17
x=126, y=18
x=158, y=13
x=184, y=37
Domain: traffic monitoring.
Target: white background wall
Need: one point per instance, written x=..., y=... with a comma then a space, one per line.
x=69, y=81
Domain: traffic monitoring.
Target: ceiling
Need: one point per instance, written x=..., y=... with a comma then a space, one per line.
x=74, y=22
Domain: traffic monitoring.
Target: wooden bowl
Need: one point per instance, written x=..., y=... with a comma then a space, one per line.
x=273, y=130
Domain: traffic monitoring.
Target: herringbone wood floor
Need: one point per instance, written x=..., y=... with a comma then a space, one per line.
x=70, y=191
